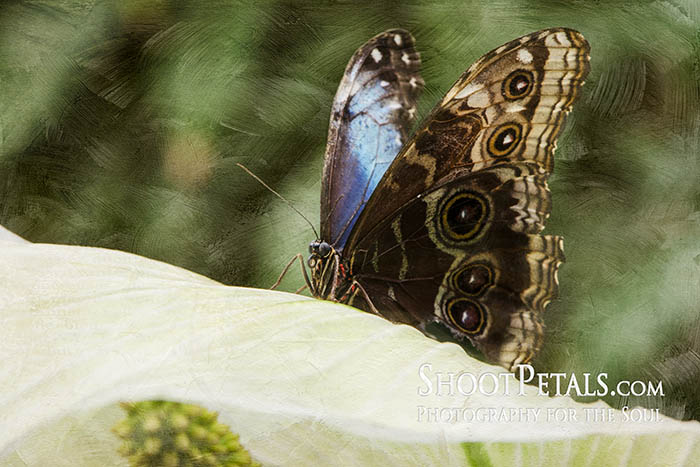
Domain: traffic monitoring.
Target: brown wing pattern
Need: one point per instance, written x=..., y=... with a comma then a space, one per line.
x=464, y=247
x=508, y=106
x=468, y=254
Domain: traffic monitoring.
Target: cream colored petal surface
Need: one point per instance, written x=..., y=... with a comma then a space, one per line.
x=297, y=378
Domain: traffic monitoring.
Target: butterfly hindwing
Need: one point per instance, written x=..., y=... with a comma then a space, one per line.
x=373, y=110
x=451, y=232
x=468, y=254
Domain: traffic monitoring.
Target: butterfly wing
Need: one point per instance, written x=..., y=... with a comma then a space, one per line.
x=508, y=106
x=452, y=231
x=372, y=113
x=468, y=253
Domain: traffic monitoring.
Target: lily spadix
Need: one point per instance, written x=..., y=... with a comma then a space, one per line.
x=301, y=381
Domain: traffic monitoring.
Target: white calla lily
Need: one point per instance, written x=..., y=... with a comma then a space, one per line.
x=300, y=380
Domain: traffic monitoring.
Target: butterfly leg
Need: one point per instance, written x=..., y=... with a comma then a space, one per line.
x=335, y=276
x=358, y=288
x=299, y=257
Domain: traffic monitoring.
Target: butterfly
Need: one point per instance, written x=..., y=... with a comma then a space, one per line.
x=445, y=226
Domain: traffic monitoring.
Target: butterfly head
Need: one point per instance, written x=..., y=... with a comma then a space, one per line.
x=319, y=250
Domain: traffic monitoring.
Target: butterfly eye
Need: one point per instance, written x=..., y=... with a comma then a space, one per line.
x=324, y=249
x=464, y=215
x=517, y=85
x=504, y=139
x=466, y=315
x=472, y=279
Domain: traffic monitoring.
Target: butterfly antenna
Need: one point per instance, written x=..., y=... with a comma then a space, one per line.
x=279, y=196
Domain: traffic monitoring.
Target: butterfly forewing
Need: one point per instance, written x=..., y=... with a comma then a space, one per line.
x=451, y=233
x=510, y=105
x=373, y=110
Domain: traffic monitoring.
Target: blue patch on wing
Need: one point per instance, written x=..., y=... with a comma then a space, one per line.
x=373, y=110
x=372, y=142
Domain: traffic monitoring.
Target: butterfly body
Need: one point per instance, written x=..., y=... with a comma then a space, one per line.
x=446, y=226
x=330, y=274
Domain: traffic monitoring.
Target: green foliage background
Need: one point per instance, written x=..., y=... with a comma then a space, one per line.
x=122, y=121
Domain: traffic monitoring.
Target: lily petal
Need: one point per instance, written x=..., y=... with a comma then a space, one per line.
x=299, y=379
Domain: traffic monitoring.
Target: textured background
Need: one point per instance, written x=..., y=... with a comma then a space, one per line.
x=121, y=123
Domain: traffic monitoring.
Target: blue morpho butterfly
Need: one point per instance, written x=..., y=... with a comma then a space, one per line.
x=446, y=227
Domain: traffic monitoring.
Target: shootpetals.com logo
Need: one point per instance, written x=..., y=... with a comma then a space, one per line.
x=556, y=384
x=464, y=383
